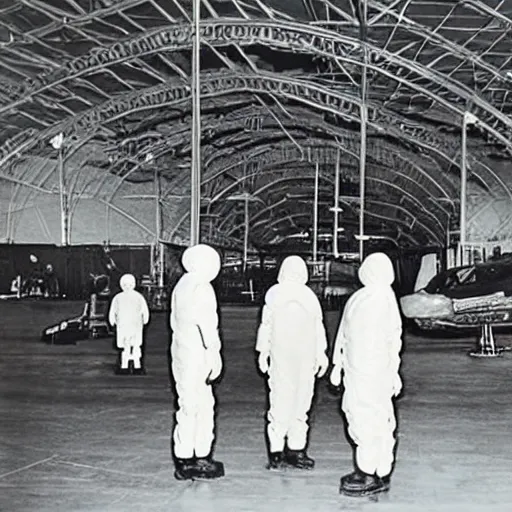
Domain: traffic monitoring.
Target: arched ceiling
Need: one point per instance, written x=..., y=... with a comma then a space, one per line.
x=280, y=88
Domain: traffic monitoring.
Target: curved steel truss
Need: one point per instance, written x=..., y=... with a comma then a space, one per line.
x=280, y=91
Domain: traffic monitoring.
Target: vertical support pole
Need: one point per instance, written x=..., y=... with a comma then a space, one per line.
x=107, y=223
x=448, y=224
x=463, y=192
x=246, y=232
x=161, y=264
x=10, y=216
x=363, y=116
x=158, y=230
x=158, y=219
x=195, y=178
x=63, y=201
x=152, y=257
x=336, y=205
x=315, y=216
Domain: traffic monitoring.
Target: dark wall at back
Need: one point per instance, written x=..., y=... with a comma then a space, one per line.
x=72, y=265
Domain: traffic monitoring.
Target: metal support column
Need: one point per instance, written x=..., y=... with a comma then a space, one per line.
x=246, y=232
x=159, y=247
x=336, y=205
x=195, y=177
x=63, y=201
x=315, y=216
x=364, y=117
x=57, y=143
x=463, y=191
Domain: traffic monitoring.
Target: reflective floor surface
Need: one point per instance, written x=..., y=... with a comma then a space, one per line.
x=75, y=437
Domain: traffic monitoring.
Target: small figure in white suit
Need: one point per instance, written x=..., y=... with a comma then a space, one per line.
x=291, y=343
x=367, y=351
x=129, y=313
x=196, y=363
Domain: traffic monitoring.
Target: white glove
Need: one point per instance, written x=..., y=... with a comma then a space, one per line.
x=322, y=365
x=335, y=376
x=214, y=360
x=263, y=362
x=397, y=385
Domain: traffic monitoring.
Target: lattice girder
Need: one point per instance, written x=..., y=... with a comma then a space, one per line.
x=375, y=187
x=224, y=83
x=284, y=36
x=326, y=153
x=379, y=150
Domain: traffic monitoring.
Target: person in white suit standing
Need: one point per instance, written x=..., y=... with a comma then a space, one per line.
x=291, y=343
x=367, y=351
x=196, y=364
x=129, y=313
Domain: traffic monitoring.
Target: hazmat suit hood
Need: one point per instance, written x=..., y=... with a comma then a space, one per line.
x=293, y=270
x=376, y=271
x=202, y=261
x=127, y=282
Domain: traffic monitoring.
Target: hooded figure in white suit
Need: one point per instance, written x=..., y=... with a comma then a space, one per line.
x=291, y=343
x=129, y=312
x=367, y=350
x=196, y=363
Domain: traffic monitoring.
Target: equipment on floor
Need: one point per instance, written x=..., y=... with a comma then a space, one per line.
x=92, y=323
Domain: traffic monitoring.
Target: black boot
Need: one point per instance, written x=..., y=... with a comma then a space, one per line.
x=276, y=461
x=299, y=459
x=122, y=371
x=184, y=469
x=360, y=484
x=386, y=482
x=207, y=468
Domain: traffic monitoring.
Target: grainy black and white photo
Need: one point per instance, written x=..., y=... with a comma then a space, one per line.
x=255, y=255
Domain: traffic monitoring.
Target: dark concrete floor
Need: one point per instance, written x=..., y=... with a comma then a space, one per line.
x=75, y=437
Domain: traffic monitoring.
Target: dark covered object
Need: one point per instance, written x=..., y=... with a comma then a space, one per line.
x=473, y=281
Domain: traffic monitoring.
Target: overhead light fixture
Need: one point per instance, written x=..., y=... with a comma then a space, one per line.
x=350, y=198
x=470, y=118
x=243, y=197
x=366, y=238
x=57, y=141
x=443, y=199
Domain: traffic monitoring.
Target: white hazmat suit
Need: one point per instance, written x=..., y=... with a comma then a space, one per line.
x=367, y=350
x=292, y=343
x=129, y=313
x=195, y=352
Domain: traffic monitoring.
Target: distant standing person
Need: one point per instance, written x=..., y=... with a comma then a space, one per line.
x=367, y=350
x=51, y=282
x=129, y=312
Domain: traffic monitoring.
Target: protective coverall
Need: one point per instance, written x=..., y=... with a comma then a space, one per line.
x=291, y=342
x=196, y=362
x=129, y=313
x=367, y=350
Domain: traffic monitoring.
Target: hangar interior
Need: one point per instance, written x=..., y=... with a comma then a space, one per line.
x=326, y=128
